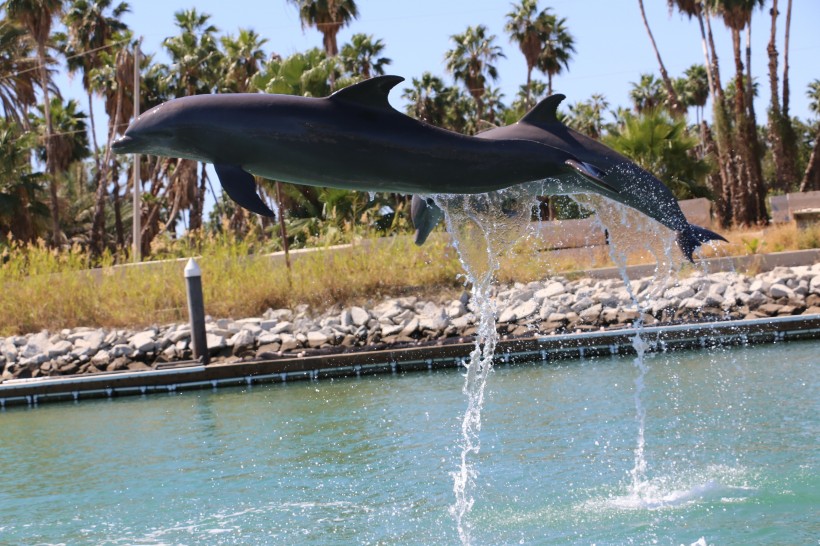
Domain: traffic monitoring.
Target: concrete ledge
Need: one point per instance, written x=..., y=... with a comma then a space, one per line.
x=192, y=375
x=757, y=262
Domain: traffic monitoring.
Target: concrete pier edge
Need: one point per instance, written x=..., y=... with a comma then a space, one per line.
x=538, y=349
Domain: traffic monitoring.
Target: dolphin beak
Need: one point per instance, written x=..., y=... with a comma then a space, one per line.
x=592, y=174
x=125, y=144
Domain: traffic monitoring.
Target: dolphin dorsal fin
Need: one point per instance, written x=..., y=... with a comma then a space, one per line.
x=545, y=112
x=372, y=92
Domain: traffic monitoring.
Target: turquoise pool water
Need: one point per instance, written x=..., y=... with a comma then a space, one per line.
x=731, y=452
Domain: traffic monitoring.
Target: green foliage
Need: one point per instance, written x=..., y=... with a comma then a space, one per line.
x=361, y=57
x=662, y=146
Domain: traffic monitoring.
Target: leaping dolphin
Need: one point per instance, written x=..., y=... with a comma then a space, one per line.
x=632, y=185
x=352, y=139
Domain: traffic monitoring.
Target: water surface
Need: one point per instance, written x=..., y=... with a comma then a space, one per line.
x=731, y=446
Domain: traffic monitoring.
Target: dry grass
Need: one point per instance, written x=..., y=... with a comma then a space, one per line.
x=45, y=289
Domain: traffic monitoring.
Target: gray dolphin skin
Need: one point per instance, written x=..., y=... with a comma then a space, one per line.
x=355, y=140
x=624, y=181
x=352, y=139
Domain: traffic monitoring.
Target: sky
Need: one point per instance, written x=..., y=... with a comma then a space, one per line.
x=612, y=47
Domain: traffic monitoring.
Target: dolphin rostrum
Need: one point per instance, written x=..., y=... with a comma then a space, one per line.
x=632, y=185
x=352, y=139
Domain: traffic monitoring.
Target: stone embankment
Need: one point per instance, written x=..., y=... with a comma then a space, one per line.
x=556, y=305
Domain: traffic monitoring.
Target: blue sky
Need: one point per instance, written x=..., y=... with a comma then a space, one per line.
x=612, y=46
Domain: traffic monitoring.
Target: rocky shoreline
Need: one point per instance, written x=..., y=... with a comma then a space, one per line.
x=556, y=305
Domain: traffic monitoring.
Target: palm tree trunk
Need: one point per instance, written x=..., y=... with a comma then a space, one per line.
x=786, y=60
x=774, y=108
x=55, y=205
x=723, y=130
x=677, y=107
x=757, y=183
x=788, y=135
x=100, y=196
x=282, y=229
x=529, y=87
x=811, y=179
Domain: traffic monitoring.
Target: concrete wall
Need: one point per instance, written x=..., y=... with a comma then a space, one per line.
x=566, y=234
x=784, y=206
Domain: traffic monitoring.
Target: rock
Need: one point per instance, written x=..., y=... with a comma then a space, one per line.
x=582, y=304
x=282, y=327
x=214, y=342
x=591, y=314
x=316, y=339
x=101, y=358
x=814, y=284
x=241, y=342
x=144, y=342
x=526, y=309
x=59, y=348
x=119, y=363
x=549, y=291
x=392, y=330
x=769, y=309
x=507, y=315
x=137, y=366
x=36, y=345
x=679, y=293
x=780, y=291
x=411, y=328
x=269, y=350
x=121, y=350
x=289, y=342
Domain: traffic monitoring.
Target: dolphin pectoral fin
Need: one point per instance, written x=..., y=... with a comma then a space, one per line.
x=241, y=187
x=692, y=236
x=426, y=215
x=592, y=174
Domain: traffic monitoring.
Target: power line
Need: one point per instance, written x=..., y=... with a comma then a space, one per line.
x=76, y=55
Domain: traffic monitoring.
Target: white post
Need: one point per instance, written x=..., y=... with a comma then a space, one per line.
x=136, y=235
x=196, y=310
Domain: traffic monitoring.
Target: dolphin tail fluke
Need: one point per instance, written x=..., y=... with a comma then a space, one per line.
x=426, y=215
x=592, y=174
x=241, y=187
x=692, y=236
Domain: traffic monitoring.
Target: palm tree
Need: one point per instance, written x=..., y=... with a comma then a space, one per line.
x=37, y=16
x=588, y=117
x=524, y=29
x=675, y=105
x=781, y=133
x=696, y=89
x=471, y=62
x=559, y=45
x=90, y=29
x=811, y=179
x=22, y=213
x=647, y=94
x=195, y=70
x=361, y=56
x=242, y=59
x=749, y=203
x=194, y=53
x=328, y=17
x=425, y=99
x=17, y=94
x=114, y=80
x=730, y=179
x=662, y=145
x=304, y=74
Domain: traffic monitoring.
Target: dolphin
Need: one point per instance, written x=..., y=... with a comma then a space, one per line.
x=352, y=139
x=632, y=185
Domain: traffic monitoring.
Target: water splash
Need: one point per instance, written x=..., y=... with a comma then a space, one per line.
x=631, y=232
x=483, y=227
